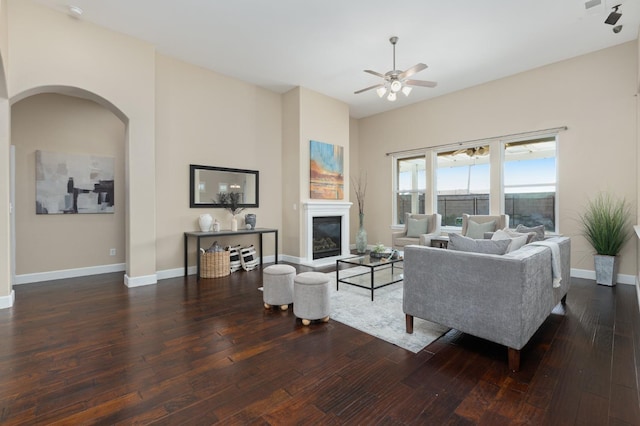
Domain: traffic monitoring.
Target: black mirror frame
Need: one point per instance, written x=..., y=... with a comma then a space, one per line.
x=193, y=189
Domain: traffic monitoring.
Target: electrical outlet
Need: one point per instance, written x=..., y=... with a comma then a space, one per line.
x=112, y=252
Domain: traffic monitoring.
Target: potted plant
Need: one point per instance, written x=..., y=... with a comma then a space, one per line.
x=606, y=224
x=231, y=202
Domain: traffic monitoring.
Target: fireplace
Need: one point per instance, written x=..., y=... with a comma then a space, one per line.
x=316, y=209
x=327, y=236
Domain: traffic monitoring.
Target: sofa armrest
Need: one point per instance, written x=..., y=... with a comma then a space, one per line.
x=396, y=235
x=425, y=239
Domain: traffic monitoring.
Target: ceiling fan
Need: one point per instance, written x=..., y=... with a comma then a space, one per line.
x=477, y=151
x=397, y=80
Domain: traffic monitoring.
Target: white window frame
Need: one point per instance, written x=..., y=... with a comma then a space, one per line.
x=496, y=161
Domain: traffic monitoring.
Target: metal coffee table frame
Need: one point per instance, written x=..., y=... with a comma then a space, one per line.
x=374, y=265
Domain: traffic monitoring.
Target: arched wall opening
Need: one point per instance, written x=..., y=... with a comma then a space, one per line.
x=71, y=120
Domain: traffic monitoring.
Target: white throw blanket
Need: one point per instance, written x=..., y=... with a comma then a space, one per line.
x=555, y=260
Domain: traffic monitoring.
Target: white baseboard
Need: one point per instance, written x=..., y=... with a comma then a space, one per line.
x=68, y=273
x=7, y=301
x=140, y=281
x=591, y=275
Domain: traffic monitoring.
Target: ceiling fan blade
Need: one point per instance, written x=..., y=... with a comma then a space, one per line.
x=420, y=83
x=377, y=74
x=411, y=71
x=375, y=86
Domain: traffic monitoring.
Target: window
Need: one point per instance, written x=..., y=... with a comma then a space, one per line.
x=462, y=183
x=530, y=183
x=411, y=182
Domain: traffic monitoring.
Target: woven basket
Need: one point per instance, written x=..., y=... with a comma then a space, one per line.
x=214, y=264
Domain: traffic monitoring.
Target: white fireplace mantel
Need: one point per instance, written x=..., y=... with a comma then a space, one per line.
x=314, y=208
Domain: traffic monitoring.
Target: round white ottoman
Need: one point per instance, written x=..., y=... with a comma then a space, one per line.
x=311, y=297
x=277, y=283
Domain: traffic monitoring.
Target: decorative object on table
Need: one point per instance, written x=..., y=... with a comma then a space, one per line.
x=381, y=252
x=205, y=221
x=326, y=171
x=214, y=262
x=250, y=219
x=216, y=225
x=360, y=188
x=234, y=258
x=73, y=183
x=606, y=224
x=248, y=258
x=231, y=201
x=378, y=250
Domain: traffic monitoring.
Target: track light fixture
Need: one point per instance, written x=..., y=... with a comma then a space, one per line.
x=614, y=16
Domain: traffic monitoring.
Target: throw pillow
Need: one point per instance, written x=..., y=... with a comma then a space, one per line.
x=476, y=230
x=416, y=227
x=539, y=230
x=512, y=233
x=516, y=241
x=462, y=243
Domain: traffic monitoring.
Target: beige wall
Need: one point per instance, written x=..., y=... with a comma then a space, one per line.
x=356, y=172
x=308, y=115
x=291, y=184
x=51, y=52
x=57, y=123
x=592, y=94
x=5, y=113
x=208, y=119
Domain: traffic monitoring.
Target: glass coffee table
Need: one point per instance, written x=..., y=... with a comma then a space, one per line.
x=380, y=272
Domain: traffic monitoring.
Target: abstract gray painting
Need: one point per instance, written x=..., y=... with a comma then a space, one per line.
x=73, y=183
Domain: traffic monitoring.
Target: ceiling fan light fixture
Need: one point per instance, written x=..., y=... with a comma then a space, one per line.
x=381, y=91
x=396, y=86
x=406, y=90
x=392, y=96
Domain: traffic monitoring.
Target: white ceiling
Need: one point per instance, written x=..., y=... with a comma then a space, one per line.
x=325, y=45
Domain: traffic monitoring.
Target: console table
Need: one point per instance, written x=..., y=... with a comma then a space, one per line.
x=199, y=235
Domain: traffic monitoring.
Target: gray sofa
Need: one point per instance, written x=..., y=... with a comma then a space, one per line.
x=501, y=298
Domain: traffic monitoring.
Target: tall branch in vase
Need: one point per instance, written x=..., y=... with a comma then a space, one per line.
x=360, y=188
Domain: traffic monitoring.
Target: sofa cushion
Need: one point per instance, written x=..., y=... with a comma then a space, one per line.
x=416, y=227
x=516, y=241
x=462, y=243
x=539, y=230
x=476, y=230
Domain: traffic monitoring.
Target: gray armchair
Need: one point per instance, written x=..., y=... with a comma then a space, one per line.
x=482, y=224
x=416, y=231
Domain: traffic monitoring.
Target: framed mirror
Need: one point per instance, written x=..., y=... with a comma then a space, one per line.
x=207, y=182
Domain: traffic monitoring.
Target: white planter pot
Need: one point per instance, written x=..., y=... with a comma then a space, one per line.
x=606, y=269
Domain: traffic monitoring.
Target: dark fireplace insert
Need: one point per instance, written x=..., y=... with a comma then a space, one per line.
x=327, y=236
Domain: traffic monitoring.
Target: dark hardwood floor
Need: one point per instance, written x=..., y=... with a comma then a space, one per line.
x=90, y=351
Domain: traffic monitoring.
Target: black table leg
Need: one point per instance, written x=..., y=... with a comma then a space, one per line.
x=185, y=254
x=276, y=233
x=260, y=243
x=198, y=261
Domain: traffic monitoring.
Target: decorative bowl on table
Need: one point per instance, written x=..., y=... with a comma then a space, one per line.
x=386, y=254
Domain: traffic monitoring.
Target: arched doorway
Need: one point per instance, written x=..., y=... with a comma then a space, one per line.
x=68, y=128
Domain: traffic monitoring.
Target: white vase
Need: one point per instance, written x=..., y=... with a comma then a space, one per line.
x=205, y=221
x=234, y=223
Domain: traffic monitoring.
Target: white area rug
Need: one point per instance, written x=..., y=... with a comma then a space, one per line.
x=382, y=318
